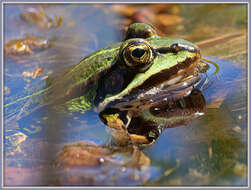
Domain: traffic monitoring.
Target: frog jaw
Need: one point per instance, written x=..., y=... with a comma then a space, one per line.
x=167, y=69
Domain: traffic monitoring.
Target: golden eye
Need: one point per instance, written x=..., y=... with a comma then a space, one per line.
x=136, y=55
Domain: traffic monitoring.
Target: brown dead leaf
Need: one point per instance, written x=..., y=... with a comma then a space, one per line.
x=169, y=171
x=44, y=77
x=33, y=74
x=40, y=19
x=216, y=103
x=25, y=45
x=138, y=139
x=146, y=15
x=240, y=169
x=167, y=8
x=218, y=98
x=59, y=21
x=80, y=155
x=73, y=179
x=210, y=151
x=125, y=10
x=38, y=71
x=144, y=160
x=19, y=137
x=17, y=47
x=27, y=73
x=113, y=121
x=169, y=20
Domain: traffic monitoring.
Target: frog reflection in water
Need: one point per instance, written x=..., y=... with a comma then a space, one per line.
x=128, y=81
x=86, y=160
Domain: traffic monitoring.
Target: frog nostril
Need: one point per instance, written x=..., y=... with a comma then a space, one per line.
x=138, y=52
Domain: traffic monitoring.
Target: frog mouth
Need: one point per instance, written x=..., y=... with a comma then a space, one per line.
x=176, y=74
x=145, y=99
x=172, y=83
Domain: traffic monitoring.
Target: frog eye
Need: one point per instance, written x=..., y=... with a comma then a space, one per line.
x=137, y=55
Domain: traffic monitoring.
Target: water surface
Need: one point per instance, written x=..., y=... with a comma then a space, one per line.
x=211, y=150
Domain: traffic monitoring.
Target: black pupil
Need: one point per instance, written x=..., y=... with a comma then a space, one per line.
x=138, y=52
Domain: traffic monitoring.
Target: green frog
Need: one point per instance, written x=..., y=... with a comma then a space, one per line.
x=124, y=80
x=143, y=62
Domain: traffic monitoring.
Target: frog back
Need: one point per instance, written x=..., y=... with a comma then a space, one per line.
x=75, y=80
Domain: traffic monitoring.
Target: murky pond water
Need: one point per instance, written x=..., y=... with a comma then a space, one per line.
x=51, y=148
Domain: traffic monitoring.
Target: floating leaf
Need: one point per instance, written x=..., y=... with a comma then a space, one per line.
x=168, y=20
x=37, y=72
x=59, y=22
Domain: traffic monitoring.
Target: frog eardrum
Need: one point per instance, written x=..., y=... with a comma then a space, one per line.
x=136, y=55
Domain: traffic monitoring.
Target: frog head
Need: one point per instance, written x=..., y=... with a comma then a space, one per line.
x=158, y=71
